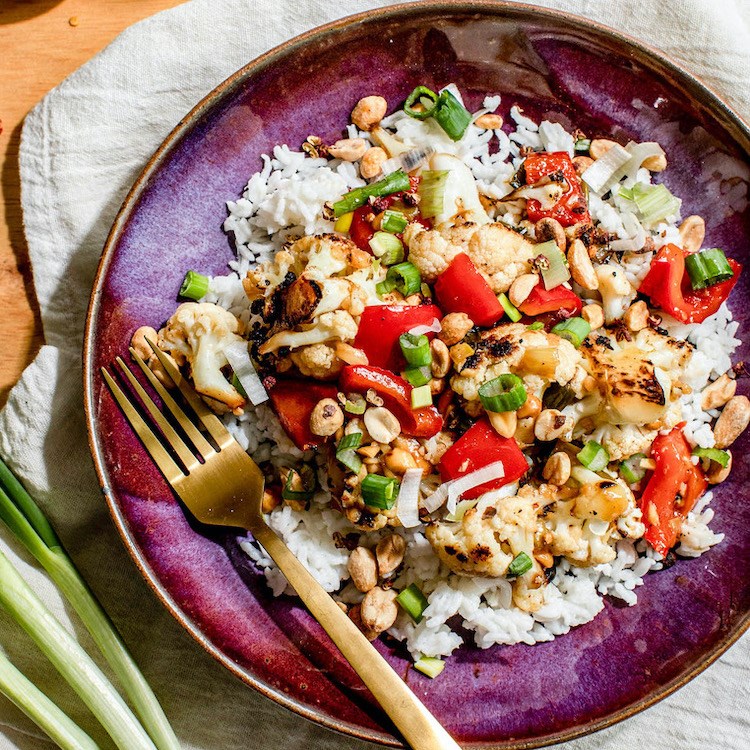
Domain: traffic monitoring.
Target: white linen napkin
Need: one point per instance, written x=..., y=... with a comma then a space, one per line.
x=82, y=147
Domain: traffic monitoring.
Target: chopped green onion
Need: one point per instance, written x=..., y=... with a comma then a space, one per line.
x=421, y=396
x=521, y=564
x=426, y=97
x=300, y=484
x=631, y=470
x=555, y=270
x=429, y=665
x=431, y=192
x=452, y=116
x=379, y=491
x=406, y=277
x=654, y=202
x=713, y=454
x=708, y=267
x=194, y=286
x=238, y=386
x=510, y=310
x=558, y=396
x=413, y=602
x=582, y=145
x=355, y=403
x=387, y=247
x=386, y=286
x=504, y=393
x=346, y=451
x=574, y=330
x=395, y=182
x=393, y=221
x=418, y=376
x=416, y=349
x=29, y=525
x=537, y=325
x=594, y=456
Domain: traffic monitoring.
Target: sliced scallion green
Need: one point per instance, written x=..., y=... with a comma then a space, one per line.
x=300, y=484
x=406, y=278
x=503, y=393
x=510, y=310
x=713, y=454
x=452, y=116
x=520, y=564
x=429, y=665
x=428, y=100
x=582, y=145
x=654, y=202
x=708, y=267
x=386, y=286
x=555, y=270
x=346, y=451
x=537, y=325
x=421, y=396
x=379, y=491
x=355, y=403
x=387, y=247
x=418, y=376
x=194, y=286
x=431, y=192
x=631, y=470
x=413, y=602
x=416, y=349
x=393, y=221
x=393, y=183
x=594, y=456
x=574, y=330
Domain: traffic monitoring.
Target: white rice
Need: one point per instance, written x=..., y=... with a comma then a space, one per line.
x=286, y=198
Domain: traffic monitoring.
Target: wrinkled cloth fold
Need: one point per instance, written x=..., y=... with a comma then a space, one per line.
x=82, y=147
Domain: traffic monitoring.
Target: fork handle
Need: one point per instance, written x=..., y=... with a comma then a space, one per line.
x=418, y=726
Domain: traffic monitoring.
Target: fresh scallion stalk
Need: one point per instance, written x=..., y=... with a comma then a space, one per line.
x=713, y=454
x=29, y=525
x=41, y=710
x=355, y=403
x=346, y=451
x=582, y=145
x=418, y=376
x=406, y=277
x=537, y=325
x=395, y=182
x=574, y=330
x=428, y=100
x=555, y=270
x=386, y=286
x=412, y=601
x=452, y=116
x=503, y=393
x=379, y=491
x=594, y=456
x=416, y=349
x=431, y=192
x=510, y=310
x=654, y=202
x=708, y=267
x=300, y=484
x=631, y=470
x=421, y=396
x=520, y=564
x=393, y=221
x=194, y=286
x=387, y=247
x=429, y=665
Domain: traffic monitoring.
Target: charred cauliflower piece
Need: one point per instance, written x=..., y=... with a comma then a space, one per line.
x=331, y=326
x=197, y=334
x=429, y=251
x=318, y=361
x=500, y=255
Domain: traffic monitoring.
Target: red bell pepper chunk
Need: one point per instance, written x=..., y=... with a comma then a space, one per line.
x=558, y=298
x=571, y=208
x=668, y=285
x=293, y=402
x=380, y=327
x=461, y=288
x=396, y=395
x=480, y=446
x=672, y=490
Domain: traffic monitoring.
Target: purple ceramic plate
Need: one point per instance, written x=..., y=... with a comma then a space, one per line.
x=555, y=66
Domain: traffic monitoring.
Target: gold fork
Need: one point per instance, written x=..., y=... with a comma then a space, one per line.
x=226, y=489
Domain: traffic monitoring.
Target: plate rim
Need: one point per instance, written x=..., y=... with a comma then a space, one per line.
x=660, y=62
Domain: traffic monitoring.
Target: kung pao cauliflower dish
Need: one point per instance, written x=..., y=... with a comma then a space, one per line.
x=499, y=357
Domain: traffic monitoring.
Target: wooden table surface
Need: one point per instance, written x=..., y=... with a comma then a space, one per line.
x=41, y=42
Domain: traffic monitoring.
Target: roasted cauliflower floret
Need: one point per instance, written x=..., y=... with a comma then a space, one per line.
x=318, y=361
x=429, y=251
x=197, y=334
x=331, y=326
x=622, y=441
x=617, y=292
x=500, y=255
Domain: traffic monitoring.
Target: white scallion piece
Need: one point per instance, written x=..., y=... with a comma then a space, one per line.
x=435, y=327
x=457, y=487
x=239, y=358
x=407, y=503
x=601, y=175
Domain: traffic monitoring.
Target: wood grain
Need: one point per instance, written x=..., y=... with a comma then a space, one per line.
x=42, y=41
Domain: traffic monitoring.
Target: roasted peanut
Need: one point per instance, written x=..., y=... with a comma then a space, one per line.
x=550, y=425
x=545, y=559
x=599, y=147
x=379, y=610
x=390, y=554
x=692, y=233
x=716, y=394
x=369, y=112
x=441, y=358
x=557, y=469
x=399, y=460
x=139, y=343
x=350, y=354
x=530, y=408
x=348, y=149
x=489, y=121
x=656, y=163
x=355, y=613
x=363, y=569
x=437, y=386
x=717, y=473
x=550, y=229
x=271, y=499
x=326, y=417
x=524, y=434
x=581, y=268
x=455, y=327
x=381, y=424
x=503, y=422
x=582, y=163
x=593, y=315
x=732, y=421
x=636, y=316
x=372, y=161
x=521, y=288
